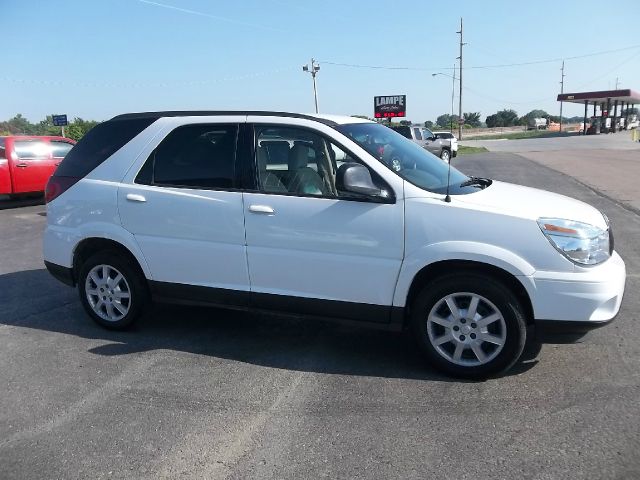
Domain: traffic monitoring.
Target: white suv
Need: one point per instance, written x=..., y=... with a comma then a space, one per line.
x=330, y=217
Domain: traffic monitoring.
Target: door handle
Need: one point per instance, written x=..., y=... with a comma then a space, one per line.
x=22, y=165
x=134, y=197
x=266, y=209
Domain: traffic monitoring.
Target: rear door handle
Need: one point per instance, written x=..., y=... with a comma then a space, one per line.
x=266, y=209
x=22, y=165
x=134, y=197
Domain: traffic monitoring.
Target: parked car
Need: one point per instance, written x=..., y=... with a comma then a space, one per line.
x=327, y=217
x=453, y=140
x=425, y=138
x=27, y=162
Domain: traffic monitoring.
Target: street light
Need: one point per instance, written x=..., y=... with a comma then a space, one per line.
x=453, y=92
x=313, y=70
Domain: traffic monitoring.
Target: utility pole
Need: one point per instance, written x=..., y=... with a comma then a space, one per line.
x=460, y=94
x=561, y=91
x=617, y=83
x=313, y=69
x=453, y=94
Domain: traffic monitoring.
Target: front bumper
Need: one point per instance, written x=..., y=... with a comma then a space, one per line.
x=576, y=302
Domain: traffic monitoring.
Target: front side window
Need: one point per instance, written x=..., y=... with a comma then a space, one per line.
x=407, y=159
x=299, y=161
x=31, y=149
x=417, y=133
x=194, y=156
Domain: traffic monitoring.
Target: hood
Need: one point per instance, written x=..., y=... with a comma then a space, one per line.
x=531, y=203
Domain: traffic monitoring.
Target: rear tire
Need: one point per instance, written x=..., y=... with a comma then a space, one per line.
x=112, y=291
x=445, y=155
x=469, y=325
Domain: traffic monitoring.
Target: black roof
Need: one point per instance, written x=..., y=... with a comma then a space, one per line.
x=208, y=113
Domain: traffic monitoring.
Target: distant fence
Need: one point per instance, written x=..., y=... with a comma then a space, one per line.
x=468, y=133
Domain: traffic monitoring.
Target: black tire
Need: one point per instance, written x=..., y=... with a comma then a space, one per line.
x=497, y=294
x=445, y=155
x=136, y=284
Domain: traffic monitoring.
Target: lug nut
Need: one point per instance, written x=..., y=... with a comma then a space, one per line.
x=462, y=320
x=462, y=337
x=473, y=325
x=456, y=328
x=473, y=336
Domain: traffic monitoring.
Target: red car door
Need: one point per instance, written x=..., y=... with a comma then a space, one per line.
x=31, y=164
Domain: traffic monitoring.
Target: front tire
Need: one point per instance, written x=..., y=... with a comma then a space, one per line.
x=445, y=155
x=111, y=290
x=469, y=325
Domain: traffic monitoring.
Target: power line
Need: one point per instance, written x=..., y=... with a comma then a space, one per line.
x=501, y=65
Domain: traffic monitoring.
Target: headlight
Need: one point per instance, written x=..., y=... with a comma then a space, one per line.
x=580, y=242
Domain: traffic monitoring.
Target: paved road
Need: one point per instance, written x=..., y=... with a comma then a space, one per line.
x=196, y=393
x=618, y=141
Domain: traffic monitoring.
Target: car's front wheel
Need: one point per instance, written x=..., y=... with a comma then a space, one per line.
x=469, y=325
x=445, y=155
x=112, y=292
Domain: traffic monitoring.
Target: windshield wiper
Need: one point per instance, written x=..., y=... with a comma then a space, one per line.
x=478, y=181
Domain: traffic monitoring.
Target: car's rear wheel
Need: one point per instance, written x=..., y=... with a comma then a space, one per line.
x=469, y=325
x=445, y=155
x=112, y=292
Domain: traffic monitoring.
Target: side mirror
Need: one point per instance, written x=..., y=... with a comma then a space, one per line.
x=355, y=178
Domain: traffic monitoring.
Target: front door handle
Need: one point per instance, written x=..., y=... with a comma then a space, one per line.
x=22, y=165
x=134, y=197
x=266, y=209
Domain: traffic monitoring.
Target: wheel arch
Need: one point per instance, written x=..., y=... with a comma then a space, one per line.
x=91, y=245
x=434, y=270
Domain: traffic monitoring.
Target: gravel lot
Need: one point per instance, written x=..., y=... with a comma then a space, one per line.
x=194, y=393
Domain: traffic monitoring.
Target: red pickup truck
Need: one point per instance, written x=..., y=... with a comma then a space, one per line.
x=27, y=162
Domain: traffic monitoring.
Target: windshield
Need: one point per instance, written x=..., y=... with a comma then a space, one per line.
x=406, y=158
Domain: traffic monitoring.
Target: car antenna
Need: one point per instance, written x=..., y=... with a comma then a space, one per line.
x=448, y=197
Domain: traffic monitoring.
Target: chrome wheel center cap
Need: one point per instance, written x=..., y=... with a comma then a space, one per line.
x=465, y=329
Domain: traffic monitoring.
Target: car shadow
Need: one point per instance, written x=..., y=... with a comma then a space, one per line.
x=268, y=340
x=24, y=201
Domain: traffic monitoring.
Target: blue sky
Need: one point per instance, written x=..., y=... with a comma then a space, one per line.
x=98, y=58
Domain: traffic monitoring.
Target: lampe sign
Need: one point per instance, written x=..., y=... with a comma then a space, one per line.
x=390, y=106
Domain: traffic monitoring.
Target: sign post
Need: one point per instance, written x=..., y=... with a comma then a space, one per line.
x=390, y=106
x=60, y=121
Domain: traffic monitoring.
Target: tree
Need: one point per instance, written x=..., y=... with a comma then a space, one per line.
x=472, y=119
x=446, y=120
x=503, y=118
x=19, y=125
x=428, y=124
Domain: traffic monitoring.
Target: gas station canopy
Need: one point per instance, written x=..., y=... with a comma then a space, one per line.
x=627, y=96
x=605, y=99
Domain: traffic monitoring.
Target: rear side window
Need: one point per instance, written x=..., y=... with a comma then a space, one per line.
x=100, y=143
x=60, y=149
x=194, y=156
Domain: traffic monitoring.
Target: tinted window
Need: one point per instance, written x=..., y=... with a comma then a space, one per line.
x=194, y=156
x=417, y=133
x=445, y=135
x=2, y=154
x=31, y=149
x=100, y=143
x=60, y=149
